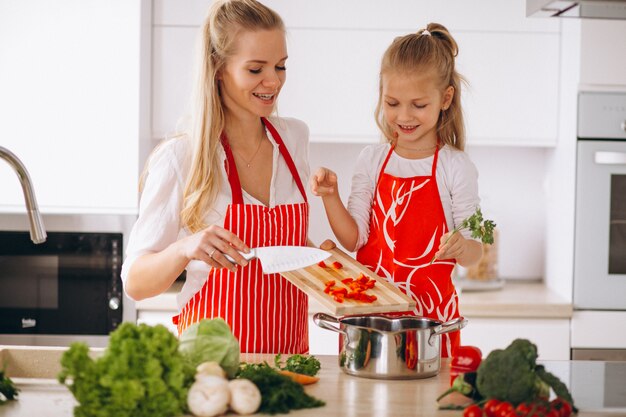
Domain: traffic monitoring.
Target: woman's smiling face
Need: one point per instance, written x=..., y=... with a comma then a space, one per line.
x=411, y=106
x=254, y=75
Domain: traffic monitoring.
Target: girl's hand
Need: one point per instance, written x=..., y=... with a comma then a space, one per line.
x=451, y=246
x=211, y=244
x=323, y=182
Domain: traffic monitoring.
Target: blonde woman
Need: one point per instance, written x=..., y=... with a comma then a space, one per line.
x=234, y=182
x=409, y=191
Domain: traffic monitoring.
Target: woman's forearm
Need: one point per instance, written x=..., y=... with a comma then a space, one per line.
x=153, y=273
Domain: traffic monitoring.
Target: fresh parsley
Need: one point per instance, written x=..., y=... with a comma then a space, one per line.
x=300, y=364
x=8, y=390
x=480, y=228
x=279, y=393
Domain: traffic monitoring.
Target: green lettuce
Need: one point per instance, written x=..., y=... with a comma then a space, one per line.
x=211, y=340
x=141, y=374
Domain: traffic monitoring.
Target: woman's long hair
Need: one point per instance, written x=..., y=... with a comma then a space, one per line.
x=431, y=50
x=224, y=21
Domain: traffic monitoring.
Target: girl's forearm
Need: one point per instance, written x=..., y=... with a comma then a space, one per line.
x=153, y=273
x=341, y=222
x=472, y=253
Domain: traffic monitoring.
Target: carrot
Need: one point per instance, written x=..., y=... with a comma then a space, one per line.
x=300, y=378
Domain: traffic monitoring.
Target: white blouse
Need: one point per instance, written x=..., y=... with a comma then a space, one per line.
x=457, y=181
x=159, y=222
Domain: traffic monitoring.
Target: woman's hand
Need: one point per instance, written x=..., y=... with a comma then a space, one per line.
x=323, y=182
x=211, y=244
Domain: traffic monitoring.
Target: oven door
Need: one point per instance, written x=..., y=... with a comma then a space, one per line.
x=600, y=234
x=64, y=286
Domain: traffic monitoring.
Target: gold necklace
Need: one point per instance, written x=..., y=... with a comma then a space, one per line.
x=249, y=162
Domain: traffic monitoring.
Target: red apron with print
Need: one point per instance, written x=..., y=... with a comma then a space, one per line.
x=266, y=313
x=406, y=226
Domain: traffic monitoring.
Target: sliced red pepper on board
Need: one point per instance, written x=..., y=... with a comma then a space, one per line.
x=330, y=283
x=337, y=265
x=322, y=264
x=347, y=280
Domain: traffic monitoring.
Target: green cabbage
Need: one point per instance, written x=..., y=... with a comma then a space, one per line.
x=211, y=340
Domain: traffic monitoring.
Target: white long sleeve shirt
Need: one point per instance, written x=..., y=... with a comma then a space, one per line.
x=457, y=181
x=159, y=223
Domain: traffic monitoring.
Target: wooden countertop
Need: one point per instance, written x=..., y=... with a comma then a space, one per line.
x=514, y=300
x=344, y=395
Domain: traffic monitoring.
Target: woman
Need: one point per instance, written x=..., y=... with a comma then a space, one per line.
x=234, y=182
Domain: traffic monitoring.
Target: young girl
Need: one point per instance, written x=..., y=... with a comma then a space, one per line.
x=409, y=192
x=233, y=182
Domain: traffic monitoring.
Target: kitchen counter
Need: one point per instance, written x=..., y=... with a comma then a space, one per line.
x=352, y=396
x=514, y=299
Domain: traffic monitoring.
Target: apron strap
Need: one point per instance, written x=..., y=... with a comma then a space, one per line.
x=233, y=176
x=433, y=174
x=285, y=154
x=382, y=168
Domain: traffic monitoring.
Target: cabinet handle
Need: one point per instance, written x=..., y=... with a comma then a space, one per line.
x=610, y=158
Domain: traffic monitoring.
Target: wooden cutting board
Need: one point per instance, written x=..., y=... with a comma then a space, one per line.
x=312, y=279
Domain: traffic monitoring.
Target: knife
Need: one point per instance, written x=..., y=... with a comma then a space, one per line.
x=274, y=259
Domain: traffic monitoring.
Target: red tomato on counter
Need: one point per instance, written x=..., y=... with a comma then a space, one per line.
x=473, y=411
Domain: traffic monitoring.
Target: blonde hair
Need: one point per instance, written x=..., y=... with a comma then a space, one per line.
x=224, y=21
x=432, y=49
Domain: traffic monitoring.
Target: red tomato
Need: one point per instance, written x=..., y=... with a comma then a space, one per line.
x=490, y=407
x=473, y=411
x=552, y=413
x=562, y=406
x=523, y=409
x=503, y=409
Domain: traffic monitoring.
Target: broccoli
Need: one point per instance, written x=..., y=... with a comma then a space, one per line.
x=513, y=375
x=509, y=374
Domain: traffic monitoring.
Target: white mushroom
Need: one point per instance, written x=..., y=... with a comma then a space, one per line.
x=210, y=368
x=209, y=396
x=245, y=397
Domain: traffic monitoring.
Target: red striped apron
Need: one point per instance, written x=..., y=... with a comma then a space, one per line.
x=406, y=226
x=266, y=313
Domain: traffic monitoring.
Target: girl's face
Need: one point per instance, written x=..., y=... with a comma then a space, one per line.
x=252, y=78
x=411, y=107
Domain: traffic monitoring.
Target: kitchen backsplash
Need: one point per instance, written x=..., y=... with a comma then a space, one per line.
x=512, y=192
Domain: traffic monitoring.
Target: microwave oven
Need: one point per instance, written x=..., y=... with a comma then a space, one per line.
x=66, y=289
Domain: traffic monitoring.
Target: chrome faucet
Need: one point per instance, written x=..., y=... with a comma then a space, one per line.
x=37, y=229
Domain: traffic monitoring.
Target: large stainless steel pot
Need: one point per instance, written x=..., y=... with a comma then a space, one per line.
x=388, y=347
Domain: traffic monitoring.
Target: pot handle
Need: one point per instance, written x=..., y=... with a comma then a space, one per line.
x=323, y=320
x=447, y=327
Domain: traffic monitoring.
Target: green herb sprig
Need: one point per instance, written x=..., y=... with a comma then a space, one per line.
x=8, y=390
x=279, y=393
x=300, y=364
x=480, y=228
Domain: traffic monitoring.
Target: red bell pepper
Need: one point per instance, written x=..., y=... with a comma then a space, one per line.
x=466, y=359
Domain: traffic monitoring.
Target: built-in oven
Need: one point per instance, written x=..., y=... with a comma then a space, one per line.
x=599, y=290
x=67, y=288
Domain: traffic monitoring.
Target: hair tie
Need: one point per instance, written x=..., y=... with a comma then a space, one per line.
x=425, y=32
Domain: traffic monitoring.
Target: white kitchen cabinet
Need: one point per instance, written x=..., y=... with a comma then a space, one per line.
x=511, y=63
x=70, y=102
x=154, y=317
x=552, y=336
